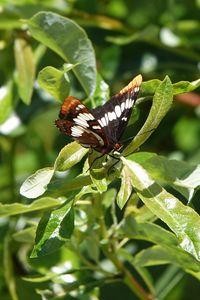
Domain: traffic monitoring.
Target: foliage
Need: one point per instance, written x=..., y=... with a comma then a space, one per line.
x=129, y=228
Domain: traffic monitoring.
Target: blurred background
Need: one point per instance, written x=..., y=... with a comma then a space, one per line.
x=155, y=38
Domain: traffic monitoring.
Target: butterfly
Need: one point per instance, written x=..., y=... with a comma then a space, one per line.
x=100, y=128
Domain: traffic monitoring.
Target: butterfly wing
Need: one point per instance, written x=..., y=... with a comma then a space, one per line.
x=114, y=115
x=77, y=121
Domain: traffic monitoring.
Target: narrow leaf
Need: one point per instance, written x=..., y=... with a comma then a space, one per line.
x=185, y=86
x=36, y=184
x=182, y=220
x=162, y=102
x=68, y=40
x=25, y=66
x=18, y=208
x=157, y=255
x=147, y=231
x=6, y=101
x=182, y=176
x=125, y=188
x=9, y=268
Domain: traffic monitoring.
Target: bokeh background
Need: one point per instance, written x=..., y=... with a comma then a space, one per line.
x=155, y=38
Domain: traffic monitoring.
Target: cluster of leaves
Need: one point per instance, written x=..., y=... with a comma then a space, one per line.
x=91, y=216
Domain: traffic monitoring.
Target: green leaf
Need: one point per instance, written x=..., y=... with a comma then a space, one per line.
x=147, y=231
x=26, y=235
x=6, y=100
x=55, y=82
x=97, y=171
x=185, y=86
x=9, y=268
x=18, y=208
x=182, y=176
x=25, y=67
x=149, y=33
x=181, y=219
x=125, y=188
x=70, y=155
x=36, y=184
x=162, y=102
x=149, y=87
x=109, y=197
x=157, y=255
x=54, y=229
x=68, y=40
x=102, y=92
x=146, y=276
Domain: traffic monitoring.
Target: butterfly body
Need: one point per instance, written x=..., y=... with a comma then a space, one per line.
x=100, y=128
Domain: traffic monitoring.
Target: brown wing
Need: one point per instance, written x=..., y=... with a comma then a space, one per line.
x=115, y=113
x=77, y=121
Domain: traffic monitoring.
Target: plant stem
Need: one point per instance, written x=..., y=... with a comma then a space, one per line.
x=110, y=252
x=128, y=278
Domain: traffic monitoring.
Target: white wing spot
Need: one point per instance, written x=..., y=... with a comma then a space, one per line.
x=111, y=116
x=81, y=122
x=130, y=103
x=96, y=127
x=76, y=131
x=86, y=116
x=103, y=120
x=122, y=106
x=124, y=119
x=118, y=111
x=80, y=106
x=136, y=89
x=127, y=103
x=100, y=123
x=107, y=120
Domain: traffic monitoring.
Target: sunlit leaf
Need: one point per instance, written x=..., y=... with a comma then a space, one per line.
x=125, y=188
x=181, y=219
x=183, y=176
x=53, y=230
x=36, y=184
x=185, y=86
x=162, y=102
x=68, y=40
x=158, y=255
x=70, y=155
x=147, y=231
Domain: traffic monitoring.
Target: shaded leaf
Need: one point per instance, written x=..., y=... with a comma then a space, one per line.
x=68, y=40
x=36, y=184
x=25, y=67
x=181, y=219
x=9, y=268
